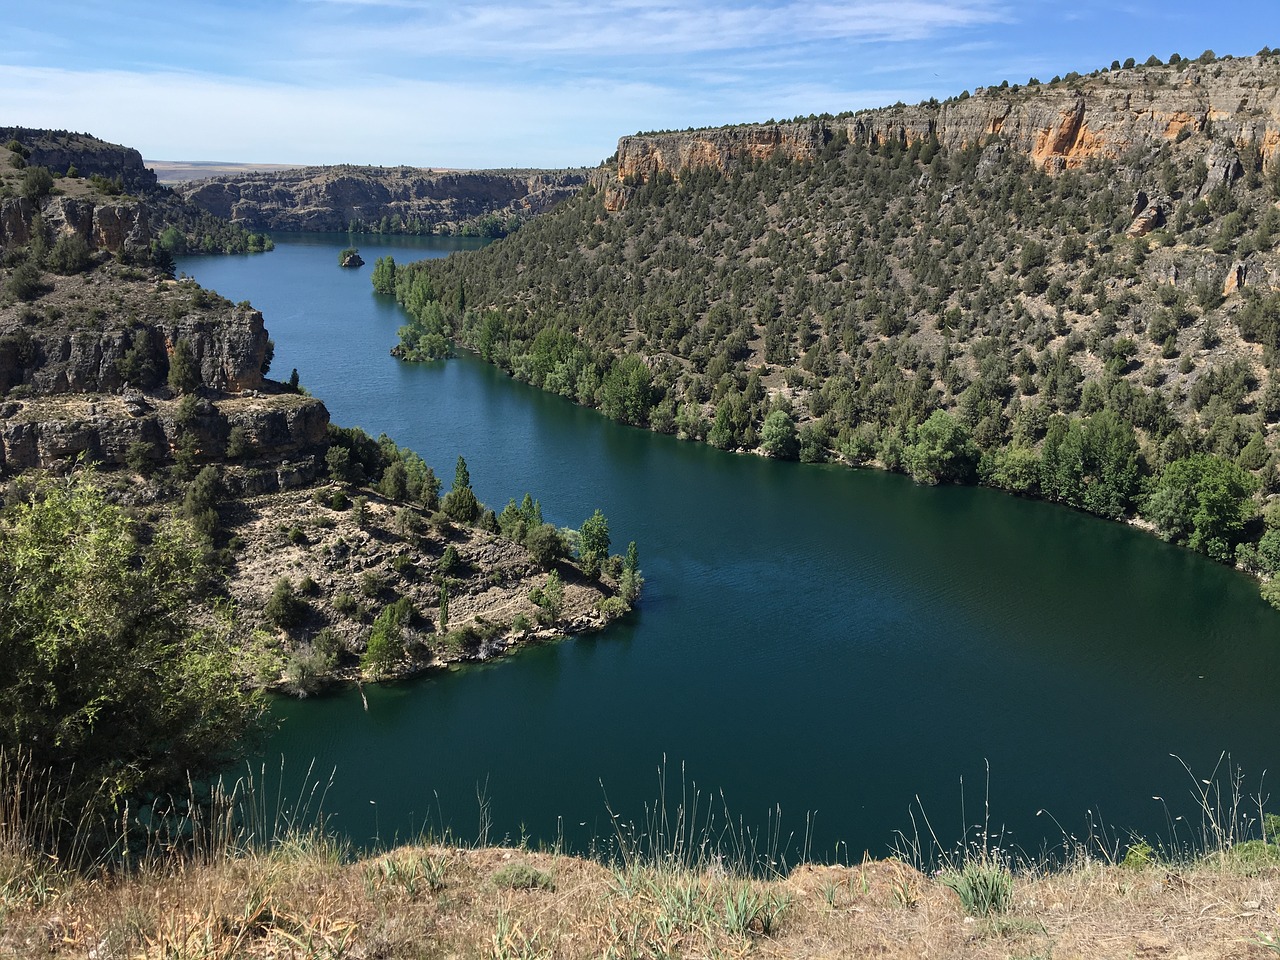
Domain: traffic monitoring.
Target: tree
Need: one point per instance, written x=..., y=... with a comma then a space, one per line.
x=384, y=275
x=395, y=481
x=631, y=581
x=184, y=371
x=460, y=503
x=593, y=543
x=545, y=545
x=386, y=639
x=943, y=451
x=549, y=597
x=284, y=607
x=1203, y=501
x=37, y=182
x=108, y=686
x=778, y=436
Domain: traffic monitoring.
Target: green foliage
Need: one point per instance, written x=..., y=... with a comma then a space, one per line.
x=386, y=640
x=70, y=254
x=545, y=545
x=985, y=888
x=943, y=451
x=593, y=543
x=184, y=370
x=1140, y=854
x=778, y=435
x=384, y=276
x=1203, y=501
x=550, y=596
x=200, y=503
x=449, y=560
x=630, y=582
x=460, y=503
x=107, y=683
x=37, y=183
x=522, y=876
x=285, y=608
x=25, y=282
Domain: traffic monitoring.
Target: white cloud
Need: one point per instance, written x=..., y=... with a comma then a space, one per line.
x=178, y=116
x=639, y=28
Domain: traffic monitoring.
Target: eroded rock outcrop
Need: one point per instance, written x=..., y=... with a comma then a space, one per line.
x=50, y=431
x=331, y=198
x=1058, y=126
x=61, y=149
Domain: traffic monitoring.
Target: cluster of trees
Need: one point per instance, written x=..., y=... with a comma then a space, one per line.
x=398, y=473
x=492, y=225
x=195, y=231
x=111, y=690
x=875, y=304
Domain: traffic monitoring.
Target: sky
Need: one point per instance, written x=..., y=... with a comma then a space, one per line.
x=540, y=83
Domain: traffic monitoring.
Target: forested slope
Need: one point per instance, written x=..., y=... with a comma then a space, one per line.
x=1099, y=330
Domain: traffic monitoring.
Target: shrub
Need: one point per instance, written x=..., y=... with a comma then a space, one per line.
x=984, y=887
x=37, y=182
x=25, y=282
x=285, y=609
x=70, y=254
x=522, y=876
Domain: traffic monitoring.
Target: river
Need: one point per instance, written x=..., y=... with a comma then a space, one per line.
x=833, y=650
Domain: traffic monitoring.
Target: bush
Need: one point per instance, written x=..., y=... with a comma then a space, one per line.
x=521, y=876
x=25, y=282
x=184, y=371
x=285, y=609
x=37, y=182
x=984, y=888
x=70, y=254
x=109, y=688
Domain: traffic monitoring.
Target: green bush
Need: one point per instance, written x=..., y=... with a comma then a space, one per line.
x=284, y=608
x=522, y=876
x=984, y=887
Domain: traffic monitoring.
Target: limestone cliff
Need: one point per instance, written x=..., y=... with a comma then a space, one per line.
x=88, y=339
x=331, y=198
x=60, y=149
x=1060, y=125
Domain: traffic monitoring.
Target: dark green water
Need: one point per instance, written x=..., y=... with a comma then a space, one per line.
x=811, y=638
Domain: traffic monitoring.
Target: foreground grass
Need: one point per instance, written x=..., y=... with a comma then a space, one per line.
x=306, y=898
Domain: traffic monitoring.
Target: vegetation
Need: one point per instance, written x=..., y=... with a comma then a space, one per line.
x=110, y=689
x=252, y=887
x=902, y=322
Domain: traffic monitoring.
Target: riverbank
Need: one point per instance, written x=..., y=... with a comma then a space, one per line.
x=307, y=898
x=341, y=555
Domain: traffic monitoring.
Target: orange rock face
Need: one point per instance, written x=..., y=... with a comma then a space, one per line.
x=1059, y=126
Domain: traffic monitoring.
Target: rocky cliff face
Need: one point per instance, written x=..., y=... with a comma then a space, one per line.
x=330, y=198
x=85, y=357
x=1059, y=126
x=229, y=347
x=284, y=430
x=60, y=149
x=120, y=227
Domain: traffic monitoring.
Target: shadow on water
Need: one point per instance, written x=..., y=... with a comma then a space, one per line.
x=811, y=638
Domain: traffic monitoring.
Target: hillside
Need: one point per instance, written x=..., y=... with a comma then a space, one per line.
x=306, y=897
x=1070, y=290
x=318, y=531
x=383, y=199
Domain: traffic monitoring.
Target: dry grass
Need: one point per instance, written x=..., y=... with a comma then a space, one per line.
x=304, y=898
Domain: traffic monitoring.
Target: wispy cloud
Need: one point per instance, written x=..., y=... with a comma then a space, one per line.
x=644, y=28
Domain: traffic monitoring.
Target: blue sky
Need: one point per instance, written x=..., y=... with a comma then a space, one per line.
x=489, y=83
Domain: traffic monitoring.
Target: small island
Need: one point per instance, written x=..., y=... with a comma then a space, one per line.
x=350, y=257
